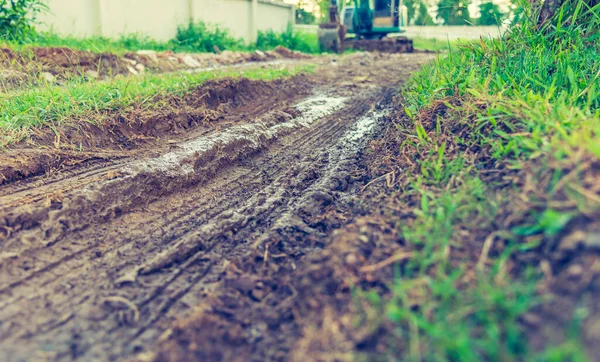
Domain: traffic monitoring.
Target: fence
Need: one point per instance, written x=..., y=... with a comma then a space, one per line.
x=159, y=19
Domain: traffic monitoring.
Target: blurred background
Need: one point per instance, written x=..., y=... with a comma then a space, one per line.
x=245, y=20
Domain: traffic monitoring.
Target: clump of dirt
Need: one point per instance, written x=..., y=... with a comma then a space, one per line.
x=206, y=338
x=217, y=103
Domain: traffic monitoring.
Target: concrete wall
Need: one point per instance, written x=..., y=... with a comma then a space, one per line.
x=78, y=17
x=234, y=15
x=159, y=19
x=270, y=13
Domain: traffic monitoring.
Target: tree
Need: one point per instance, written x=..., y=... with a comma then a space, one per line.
x=417, y=13
x=490, y=14
x=422, y=16
x=18, y=17
x=586, y=11
x=304, y=17
x=454, y=12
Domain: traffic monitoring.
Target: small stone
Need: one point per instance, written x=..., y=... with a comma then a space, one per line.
x=140, y=68
x=92, y=74
x=132, y=70
x=258, y=294
x=191, y=62
x=261, y=54
x=150, y=54
x=575, y=271
x=351, y=259
x=130, y=61
x=592, y=240
x=47, y=76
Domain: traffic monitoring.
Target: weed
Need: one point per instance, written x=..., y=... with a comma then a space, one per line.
x=501, y=139
x=201, y=37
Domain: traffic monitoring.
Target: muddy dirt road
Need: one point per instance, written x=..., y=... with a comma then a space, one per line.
x=101, y=258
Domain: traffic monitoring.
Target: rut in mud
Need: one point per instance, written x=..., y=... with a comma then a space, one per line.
x=104, y=259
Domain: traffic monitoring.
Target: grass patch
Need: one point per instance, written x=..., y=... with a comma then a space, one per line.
x=51, y=106
x=97, y=44
x=501, y=156
x=306, y=42
x=435, y=45
x=191, y=38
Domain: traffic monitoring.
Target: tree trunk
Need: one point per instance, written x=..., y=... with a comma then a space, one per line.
x=548, y=10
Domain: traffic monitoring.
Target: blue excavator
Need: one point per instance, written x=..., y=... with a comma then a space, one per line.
x=368, y=25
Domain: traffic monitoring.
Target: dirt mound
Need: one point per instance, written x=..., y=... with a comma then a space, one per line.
x=55, y=65
x=216, y=103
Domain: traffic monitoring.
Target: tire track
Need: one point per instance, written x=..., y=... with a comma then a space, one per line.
x=108, y=288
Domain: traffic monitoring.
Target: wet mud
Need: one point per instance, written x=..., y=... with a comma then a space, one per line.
x=184, y=247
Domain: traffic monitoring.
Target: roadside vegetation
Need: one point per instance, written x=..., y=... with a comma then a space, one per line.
x=192, y=38
x=51, y=106
x=19, y=18
x=496, y=159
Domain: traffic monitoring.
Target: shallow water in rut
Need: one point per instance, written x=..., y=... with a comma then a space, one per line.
x=103, y=268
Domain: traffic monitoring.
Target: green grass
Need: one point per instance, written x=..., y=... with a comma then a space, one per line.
x=306, y=42
x=191, y=38
x=50, y=106
x=435, y=45
x=95, y=44
x=526, y=105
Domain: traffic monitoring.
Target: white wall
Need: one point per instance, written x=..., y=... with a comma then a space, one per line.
x=270, y=15
x=77, y=17
x=159, y=19
x=234, y=15
x=156, y=18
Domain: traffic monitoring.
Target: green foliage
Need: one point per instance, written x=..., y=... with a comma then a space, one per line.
x=17, y=18
x=417, y=13
x=304, y=17
x=198, y=37
x=454, y=12
x=304, y=42
x=99, y=44
x=201, y=37
x=531, y=98
x=490, y=14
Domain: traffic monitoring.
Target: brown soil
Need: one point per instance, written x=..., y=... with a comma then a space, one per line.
x=102, y=255
x=239, y=237
x=138, y=131
x=36, y=66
